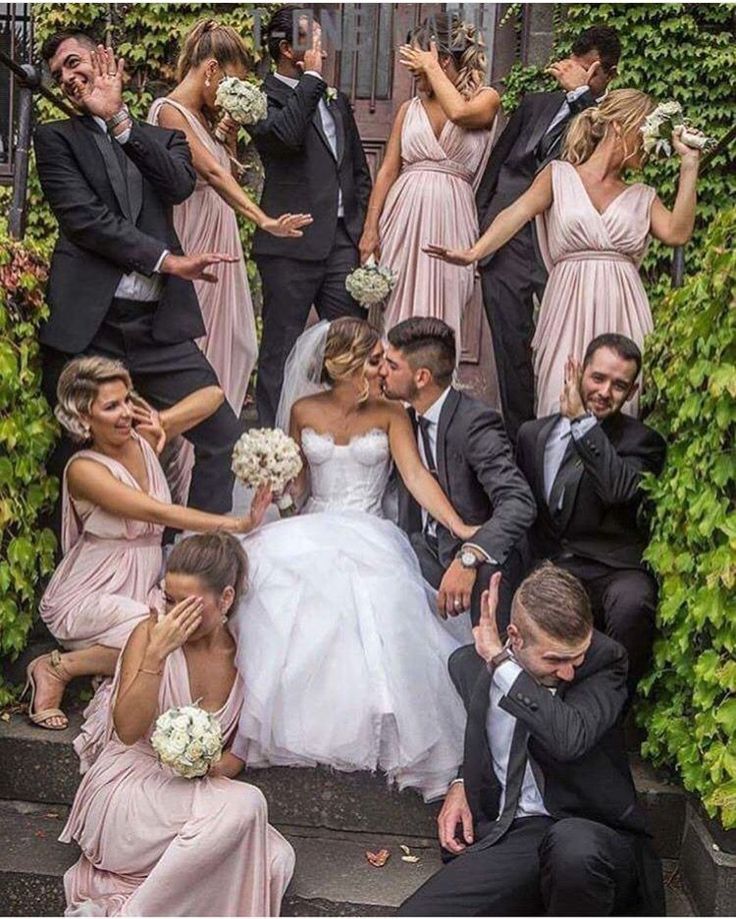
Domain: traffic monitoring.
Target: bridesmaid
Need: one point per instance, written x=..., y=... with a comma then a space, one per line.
x=593, y=230
x=436, y=153
x=153, y=843
x=115, y=506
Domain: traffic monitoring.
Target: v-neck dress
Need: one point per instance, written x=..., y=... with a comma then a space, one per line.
x=432, y=201
x=594, y=285
x=156, y=844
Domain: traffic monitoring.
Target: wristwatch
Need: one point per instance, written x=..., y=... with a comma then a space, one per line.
x=118, y=118
x=468, y=558
x=505, y=654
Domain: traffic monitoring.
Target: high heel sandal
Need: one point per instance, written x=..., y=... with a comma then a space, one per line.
x=40, y=718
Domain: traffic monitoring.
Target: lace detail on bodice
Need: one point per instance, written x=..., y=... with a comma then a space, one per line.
x=349, y=476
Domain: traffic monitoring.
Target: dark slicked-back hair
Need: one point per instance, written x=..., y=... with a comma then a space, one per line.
x=54, y=42
x=426, y=342
x=281, y=28
x=626, y=349
x=602, y=39
x=555, y=602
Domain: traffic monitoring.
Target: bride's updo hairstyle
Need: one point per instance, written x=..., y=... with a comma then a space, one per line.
x=626, y=107
x=349, y=345
x=207, y=40
x=77, y=389
x=459, y=40
x=216, y=559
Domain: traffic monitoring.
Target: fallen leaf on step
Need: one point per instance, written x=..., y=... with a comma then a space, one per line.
x=52, y=814
x=413, y=859
x=5, y=716
x=405, y=849
x=378, y=859
x=41, y=834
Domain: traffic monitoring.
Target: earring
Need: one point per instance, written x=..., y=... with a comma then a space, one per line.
x=207, y=81
x=224, y=620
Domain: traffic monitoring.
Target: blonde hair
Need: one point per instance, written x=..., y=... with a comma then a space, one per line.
x=77, y=389
x=210, y=39
x=463, y=42
x=349, y=345
x=217, y=559
x=627, y=107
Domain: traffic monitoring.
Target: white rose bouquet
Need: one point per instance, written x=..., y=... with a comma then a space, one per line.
x=242, y=101
x=268, y=456
x=370, y=284
x=659, y=125
x=188, y=739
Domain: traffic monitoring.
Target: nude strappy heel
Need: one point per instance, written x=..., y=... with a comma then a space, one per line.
x=40, y=718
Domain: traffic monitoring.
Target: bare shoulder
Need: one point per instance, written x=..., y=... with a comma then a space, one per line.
x=81, y=469
x=169, y=116
x=305, y=408
x=392, y=410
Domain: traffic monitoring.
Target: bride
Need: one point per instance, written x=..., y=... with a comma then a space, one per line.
x=343, y=657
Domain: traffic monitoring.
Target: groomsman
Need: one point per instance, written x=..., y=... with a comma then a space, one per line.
x=119, y=283
x=545, y=820
x=463, y=443
x=585, y=467
x=313, y=160
x=512, y=276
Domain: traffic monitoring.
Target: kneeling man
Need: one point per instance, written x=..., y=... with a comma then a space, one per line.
x=545, y=819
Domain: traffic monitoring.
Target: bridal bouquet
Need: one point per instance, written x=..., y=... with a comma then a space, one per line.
x=188, y=739
x=370, y=284
x=242, y=101
x=658, y=127
x=267, y=456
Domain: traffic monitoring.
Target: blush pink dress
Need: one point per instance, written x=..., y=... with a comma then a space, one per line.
x=107, y=579
x=594, y=284
x=205, y=222
x=432, y=201
x=156, y=844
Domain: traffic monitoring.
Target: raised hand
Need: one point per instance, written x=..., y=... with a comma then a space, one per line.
x=685, y=150
x=176, y=627
x=258, y=507
x=571, y=400
x=147, y=423
x=194, y=267
x=571, y=75
x=451, y=256
x=226, y=131
x=288, y=225
x=416, y=60
x=314, y=56
x=103, y=96
x=455, y=811
x=485, y=634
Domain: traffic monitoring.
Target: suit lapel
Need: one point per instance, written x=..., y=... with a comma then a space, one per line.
x=448, y=410
x=135, y=188
x=112, y=165
x=336, y=113
x=549, y=108
x=317, y=122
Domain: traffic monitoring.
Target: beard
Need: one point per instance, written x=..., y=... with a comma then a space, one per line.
x=406, y=395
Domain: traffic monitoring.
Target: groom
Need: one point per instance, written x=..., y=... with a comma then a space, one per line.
x=463, y=444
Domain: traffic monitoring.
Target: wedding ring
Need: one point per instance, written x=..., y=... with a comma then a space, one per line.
x=458, y=604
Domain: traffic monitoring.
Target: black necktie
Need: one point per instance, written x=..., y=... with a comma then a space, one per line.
x=558, y=486
x=551, y=138
x=514, y=782
x=424, y=424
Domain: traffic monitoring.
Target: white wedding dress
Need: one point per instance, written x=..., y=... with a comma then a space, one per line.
x=342, y=653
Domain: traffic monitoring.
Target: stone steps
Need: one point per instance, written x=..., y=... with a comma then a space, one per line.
x=332, y=878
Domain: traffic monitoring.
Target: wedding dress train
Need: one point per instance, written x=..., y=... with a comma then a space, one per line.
x=343, y=656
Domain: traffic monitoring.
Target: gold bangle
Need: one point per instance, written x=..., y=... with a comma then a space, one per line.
x=152, y=672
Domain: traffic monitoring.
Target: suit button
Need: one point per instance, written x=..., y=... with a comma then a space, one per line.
x=526, y=700
x=534, y=706
x=520, y=696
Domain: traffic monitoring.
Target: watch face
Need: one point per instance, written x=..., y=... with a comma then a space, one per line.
x=468, y=559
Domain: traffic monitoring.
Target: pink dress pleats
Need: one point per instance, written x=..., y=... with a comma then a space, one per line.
x=107, y=580
x=594, y=284
x=156, y=844
x=205, y=222
x=432, y=201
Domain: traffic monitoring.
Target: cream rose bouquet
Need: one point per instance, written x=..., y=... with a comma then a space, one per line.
x=188, y=739
x=268, y=456
x=242, y=101
x=659, y=125
x=370, y=284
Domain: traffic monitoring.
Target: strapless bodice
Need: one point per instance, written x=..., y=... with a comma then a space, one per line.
x=350, y=476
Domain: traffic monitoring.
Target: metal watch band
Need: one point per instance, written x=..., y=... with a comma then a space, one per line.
x=118, y=118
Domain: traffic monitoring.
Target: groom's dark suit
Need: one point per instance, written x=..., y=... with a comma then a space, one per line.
x=515, y=273
x=113, y=203
x=304, y=174
x=590, y=855
x=476, y=470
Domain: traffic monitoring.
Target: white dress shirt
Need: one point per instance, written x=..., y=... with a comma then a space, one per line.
x=328, y=124
x=432, y=415
x=564, y=109
x=554, y=449
x=136, y=286
x=500, y=727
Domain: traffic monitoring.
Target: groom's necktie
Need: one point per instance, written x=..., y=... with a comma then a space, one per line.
x=429, y=456
x=552, y=138
x=514, y=780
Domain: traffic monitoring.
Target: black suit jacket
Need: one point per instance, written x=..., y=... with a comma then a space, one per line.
x=302, y=174
x=576, y=749
x=112, y=223
x=513, y=162
x=476, y=471
x=601, y=477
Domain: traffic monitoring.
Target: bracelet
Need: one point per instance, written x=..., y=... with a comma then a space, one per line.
x=152, y=672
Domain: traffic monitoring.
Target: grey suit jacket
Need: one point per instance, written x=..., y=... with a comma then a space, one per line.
x=476, y=471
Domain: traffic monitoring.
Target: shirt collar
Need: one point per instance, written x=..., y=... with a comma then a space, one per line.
x=290, y=81
x=432, y=414
x=100, y=123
